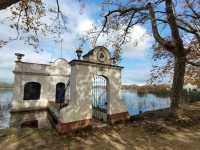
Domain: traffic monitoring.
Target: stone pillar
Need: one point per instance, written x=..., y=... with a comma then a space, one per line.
x=78, y=114
x=117, y=109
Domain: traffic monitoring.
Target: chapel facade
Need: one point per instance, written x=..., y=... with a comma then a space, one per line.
x=83, y=89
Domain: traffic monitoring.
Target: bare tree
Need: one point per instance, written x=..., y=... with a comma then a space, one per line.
x=26, y=17
x=164, y=70
x=172, y=23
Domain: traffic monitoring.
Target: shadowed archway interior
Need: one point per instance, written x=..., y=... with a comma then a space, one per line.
x=32, y=91
x=60, y=92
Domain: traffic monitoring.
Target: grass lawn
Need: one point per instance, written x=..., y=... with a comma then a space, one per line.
x=152, y=131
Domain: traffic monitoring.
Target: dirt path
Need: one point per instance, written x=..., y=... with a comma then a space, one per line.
x=149, y=132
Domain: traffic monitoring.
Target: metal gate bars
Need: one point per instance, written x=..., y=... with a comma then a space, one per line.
x=99, y=98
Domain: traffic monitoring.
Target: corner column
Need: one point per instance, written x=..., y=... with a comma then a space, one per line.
x=78, y=114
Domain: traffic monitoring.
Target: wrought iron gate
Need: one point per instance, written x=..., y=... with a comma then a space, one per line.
x=99, y=98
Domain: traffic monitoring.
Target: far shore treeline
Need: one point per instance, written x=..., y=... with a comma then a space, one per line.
x=162, y=90
x=6, y=86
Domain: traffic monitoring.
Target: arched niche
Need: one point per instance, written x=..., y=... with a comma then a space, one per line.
x=32, y=91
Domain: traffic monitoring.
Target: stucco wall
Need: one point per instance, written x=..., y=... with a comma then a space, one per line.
x=80, y=106
x=47, y=75
x=17, y=119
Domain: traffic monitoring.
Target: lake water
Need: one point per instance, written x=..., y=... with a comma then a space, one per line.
x=135, y=103
x=5, y=103
x=141, y=103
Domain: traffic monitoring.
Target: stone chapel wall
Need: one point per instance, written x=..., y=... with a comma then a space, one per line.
x=47, y=75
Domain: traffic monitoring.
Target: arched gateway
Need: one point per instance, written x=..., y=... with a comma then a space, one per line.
x=95, y=91
x=100, y=98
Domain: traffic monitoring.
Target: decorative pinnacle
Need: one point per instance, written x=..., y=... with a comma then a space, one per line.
x=19, y=56
x=79, y=53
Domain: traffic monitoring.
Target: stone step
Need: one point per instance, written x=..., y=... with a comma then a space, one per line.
x=98, y=124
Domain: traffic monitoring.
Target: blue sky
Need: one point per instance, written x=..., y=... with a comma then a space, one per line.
x=136, y=60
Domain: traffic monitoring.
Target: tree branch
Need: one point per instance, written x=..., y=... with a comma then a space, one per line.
x=173, y=26
x=127, y=28
x=167, y=44
x=189, y=30
x=6, y=3
x=121, y=12
x=191, y=8
x=192, y=63
x=192, y=30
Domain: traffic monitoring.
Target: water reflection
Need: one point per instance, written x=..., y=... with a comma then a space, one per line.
x=5, y=103
x=142, y=103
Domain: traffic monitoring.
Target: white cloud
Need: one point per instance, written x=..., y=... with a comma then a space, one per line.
x=138, y=42
x=79, y=21
x=137, y=76
x=85, y=25
x=7, y=58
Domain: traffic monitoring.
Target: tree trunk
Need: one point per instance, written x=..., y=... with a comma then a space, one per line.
x=178, y=81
